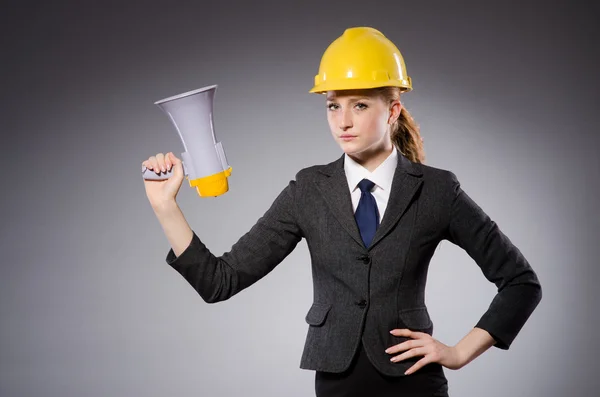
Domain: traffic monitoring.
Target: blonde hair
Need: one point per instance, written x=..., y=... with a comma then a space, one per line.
x=405, y=133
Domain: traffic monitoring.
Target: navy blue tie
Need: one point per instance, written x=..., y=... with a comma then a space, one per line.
x=367, y=215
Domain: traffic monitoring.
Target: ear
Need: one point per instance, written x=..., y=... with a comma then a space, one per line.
x=395, y=109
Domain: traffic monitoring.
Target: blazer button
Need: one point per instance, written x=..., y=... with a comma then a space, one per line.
x=365, y=258
x=362, y=304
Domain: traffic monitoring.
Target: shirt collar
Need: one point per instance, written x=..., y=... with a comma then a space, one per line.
x=381, y=176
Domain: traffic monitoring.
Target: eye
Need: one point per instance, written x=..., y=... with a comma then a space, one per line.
x=330, y=105
x=362, y=106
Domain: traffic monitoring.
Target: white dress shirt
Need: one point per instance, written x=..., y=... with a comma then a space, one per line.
x=381, y=176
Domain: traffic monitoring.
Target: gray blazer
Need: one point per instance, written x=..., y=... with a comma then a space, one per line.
x=364, y=292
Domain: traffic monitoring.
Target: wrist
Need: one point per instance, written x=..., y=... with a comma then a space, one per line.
x=461, y=355
x=165, y=206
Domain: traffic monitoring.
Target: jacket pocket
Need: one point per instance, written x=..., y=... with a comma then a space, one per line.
x=317, y=313
x=416, y=318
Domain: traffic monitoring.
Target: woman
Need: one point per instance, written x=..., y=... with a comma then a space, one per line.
x=372, y=220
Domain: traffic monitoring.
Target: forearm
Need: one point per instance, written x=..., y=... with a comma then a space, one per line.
x=502, y=263
x=178, y=232
x=474, y=344
x=253, y=256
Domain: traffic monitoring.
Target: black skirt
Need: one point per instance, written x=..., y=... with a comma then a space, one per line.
x=363, y=380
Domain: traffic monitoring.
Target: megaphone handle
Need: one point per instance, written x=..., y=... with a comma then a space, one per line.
x=151, y=175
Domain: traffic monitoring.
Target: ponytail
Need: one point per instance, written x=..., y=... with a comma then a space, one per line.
x=405, y=133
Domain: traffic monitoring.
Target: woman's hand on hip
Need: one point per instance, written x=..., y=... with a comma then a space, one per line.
x=423, y=344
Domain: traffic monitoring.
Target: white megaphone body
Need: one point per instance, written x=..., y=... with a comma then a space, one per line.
x=204, y=161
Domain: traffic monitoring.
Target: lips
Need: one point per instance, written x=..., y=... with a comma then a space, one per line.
x=347, y=136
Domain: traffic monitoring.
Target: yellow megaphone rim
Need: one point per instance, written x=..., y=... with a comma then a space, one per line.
x=212, y=185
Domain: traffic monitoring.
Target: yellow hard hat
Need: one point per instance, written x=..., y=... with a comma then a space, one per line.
x=361, y=58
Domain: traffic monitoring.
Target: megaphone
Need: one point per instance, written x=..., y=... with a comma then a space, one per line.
x=204, y=161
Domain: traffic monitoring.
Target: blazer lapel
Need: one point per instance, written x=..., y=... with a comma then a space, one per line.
x=333, y=186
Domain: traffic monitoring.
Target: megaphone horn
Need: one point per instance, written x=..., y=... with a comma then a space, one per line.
x=204, y=161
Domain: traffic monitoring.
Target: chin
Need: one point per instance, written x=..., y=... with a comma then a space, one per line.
x=351, y=149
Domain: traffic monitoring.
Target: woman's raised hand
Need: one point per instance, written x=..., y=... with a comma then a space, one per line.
x=161, y=192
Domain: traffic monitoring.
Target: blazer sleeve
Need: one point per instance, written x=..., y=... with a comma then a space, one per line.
x=502, y=263
x=253, y=256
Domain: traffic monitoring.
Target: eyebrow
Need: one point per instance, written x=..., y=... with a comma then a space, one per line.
x=352, y=97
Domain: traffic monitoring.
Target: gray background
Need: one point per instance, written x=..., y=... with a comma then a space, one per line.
x=506, y=95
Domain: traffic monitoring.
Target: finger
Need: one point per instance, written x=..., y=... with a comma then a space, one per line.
x=161, y=161
x=420, y=335
x=418, y=351
x=178, y=168
x=174, y=159
x=150, y=163
x=155, y=166
x=408, y=333
x=403, y=332
x=409, y=344
x=418, y=365
x=168, y=162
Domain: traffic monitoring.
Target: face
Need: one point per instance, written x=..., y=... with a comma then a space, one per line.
x=360, y=121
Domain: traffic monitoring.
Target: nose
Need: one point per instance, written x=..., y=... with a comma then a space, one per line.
x=345, y=119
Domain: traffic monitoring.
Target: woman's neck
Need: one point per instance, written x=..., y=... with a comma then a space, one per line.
x=371, y=159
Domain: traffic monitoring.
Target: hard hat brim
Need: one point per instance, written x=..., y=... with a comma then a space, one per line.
x=356, y=84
